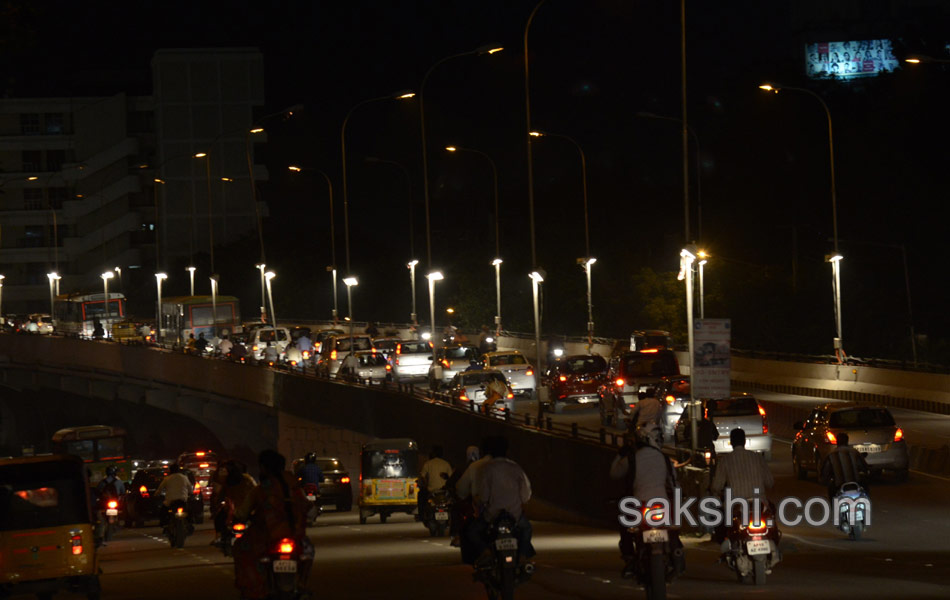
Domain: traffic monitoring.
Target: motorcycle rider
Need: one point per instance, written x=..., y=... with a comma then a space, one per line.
x=176, y=487
x=225, y=345
x=201, y=344
x=310, y=472
x=435, y=472
x=270, y=353
x=648, y=475
x=110, y=485
x=843, y=465
x=461, y=510
x=233, y=485
x=648, y=412
x=276, y=509
x=501, y=485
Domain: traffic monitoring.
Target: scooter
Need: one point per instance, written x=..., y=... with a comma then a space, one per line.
x=852, y=494
x=312, y=492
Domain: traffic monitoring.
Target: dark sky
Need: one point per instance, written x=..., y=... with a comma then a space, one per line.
x=594, y=66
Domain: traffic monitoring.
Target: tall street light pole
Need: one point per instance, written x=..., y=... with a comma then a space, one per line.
x=412, y=282
x=191, y=278
x=214, y=305
x=105, y=288
x=687, y=257
x=53, y=278
x=537, y=278
x=332, y=268
x=268, y=276
x=159, y=278
x=262, y=267
x=527, y=110
x=497, y=260
x=703, y=259
x=207, y=159
x=490, y=49
x=403, y=95
x=350, y=282
x=433, y=276
x=835, y=257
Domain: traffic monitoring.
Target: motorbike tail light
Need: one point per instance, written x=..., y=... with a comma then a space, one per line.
x=398, y=348
x=445, y=363
x=239, y=527
x=463, y=398
x=286, y=546
x=758, y=529
x=180, y=511
x=831, y=438
x=653, y=514
x=197, y=488
x=898, y=435
x=203, y=465
x=143, y=491
x=293, y=363
x=670, y=399
x=510, y=396
x=332, y=354
x=254, y=348
x=529, y=372
x=708, y=456
x=306, y=354
x=619, y=382
x=562, y=378
x=113, y=504
x=76, y=542
x=389, y=368
x=344, y=479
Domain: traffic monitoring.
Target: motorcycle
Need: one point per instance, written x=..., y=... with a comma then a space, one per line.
x=231, y=530
x=179, y=525
x=853, y=494
x=753, y=547
x=287, y=566
x=108, y=521
x=659, y=557
x=312, y=492
x=502, y=572
x=437, y=512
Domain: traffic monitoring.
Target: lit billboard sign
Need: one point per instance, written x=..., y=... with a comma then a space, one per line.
x=845, y=60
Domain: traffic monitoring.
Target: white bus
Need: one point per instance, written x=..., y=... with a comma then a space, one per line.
x=76, y=314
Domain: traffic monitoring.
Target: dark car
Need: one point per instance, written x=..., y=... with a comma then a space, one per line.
x=576, y=380
x=202, y=465
x=630, y=373
x=142, y=504
x=336, y=488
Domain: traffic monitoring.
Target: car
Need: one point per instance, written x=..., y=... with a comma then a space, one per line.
x=743, y=412
x=141, y=503
x=261, y=336
x=321, y=337
x=513, y=365
x=871, y=431
x=44, y=322
x=335, y=348
x=386, y=345
x=450, y=360
x=336, y=488
x=674, y=391
x=575, y=379
x=202, y=464
x=412, y=359
x=630, y=373
x=373, y=366
x=471, y=386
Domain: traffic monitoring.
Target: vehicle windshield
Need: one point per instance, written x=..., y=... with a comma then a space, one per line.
x=480, y=378
x=372, y=360
x=267, y=335
x=46, y=494
x=150, y=478
x=462, y=352
x=508, y=359
x=585, y=364
x=733, y=407
x=329, y=464
x=360, y=343
x=385, y=344
x=860, y=418
x=390, y=464
x=415, y=348
x=650, y=364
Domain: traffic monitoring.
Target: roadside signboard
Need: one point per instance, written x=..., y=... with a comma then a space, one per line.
x=712, y=339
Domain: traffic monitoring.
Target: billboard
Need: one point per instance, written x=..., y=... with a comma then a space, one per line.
x=712, y=345
x=847, y=60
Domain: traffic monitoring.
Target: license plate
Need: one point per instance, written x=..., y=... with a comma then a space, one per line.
x=756, y=547
x=869, y=448
x=285, y=566
x=112, y=512
x=441, y=516
x=506, y=544
x=655, y=536
x=311, y=497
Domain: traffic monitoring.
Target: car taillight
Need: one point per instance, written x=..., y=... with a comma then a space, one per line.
x=389, y=368
x=197, y=488
x=510, y=396
x=203, y=465
x=898, y=435
x=254, y=348
x=619, y=382
x=286, y=546
x=649, y=351
x=529, y=372
x=76, y=542
x=831, y=438
x=344, y=479
x=396, y=360
x=332, y=354
x=445, y=363
x=398, y=348
x=199, y=454
x=670, y=399
x=765, y=423
x=180, y=511
x=113, y=504
x=463, y=398
x=562, y=378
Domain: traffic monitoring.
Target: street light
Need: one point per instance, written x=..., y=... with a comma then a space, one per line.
x=270, y=296
x=118, y=271
x=403, y=95
x=207, y=158
x=105, y=286
x=703, y=259
x=835, y=257
x=433, y=277
x=332, y=268
x=215, y=279
x=53, y=278
x=191, y=277
x=350, y=282
x=537, y=278
x=159, y=278
x=687, y=257
x=412, y=281
x=588, y=263
x=261, y=267
x=497, y=264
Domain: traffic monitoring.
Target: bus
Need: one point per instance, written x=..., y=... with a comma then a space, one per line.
x=75, y=314
x=186, y=315
x=99, y=446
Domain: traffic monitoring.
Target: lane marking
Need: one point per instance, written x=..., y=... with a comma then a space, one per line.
x=930, y=475
x=810, y=543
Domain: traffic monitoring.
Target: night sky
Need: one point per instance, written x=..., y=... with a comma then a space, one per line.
x=594, y=66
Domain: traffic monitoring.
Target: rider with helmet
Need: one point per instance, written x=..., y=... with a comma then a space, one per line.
x=310, y=472
x=109, y=483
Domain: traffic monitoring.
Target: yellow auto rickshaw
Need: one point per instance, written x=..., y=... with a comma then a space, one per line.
x=46, y=527
x=388, y=473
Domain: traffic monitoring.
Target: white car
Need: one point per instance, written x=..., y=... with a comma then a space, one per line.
x=262, y=335
x=412, y=359
x=371, y=366
x=514, y=366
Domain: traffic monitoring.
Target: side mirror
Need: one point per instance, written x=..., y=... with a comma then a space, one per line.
x=799, y=425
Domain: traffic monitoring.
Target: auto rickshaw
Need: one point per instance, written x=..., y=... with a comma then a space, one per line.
x=388, y=473
x=46, y=528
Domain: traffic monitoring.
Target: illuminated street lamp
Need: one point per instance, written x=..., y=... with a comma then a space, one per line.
x=835, y=257
x=350, y=282
x=270, y=296
x=105, y=286
x=412, y=281
x=2, y=318
x=159, y=278
x=118, y=272
x=687, y=257
x=537, y=278
x=433, y=277
x=191, y=277
x=53, y=278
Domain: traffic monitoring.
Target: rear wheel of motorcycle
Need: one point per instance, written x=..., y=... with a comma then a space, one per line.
x=656, y=586
x=759, y=570
x=179, y=529
x=508, y=583
x=856, y=530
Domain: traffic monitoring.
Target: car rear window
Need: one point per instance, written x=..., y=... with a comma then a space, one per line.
x=415, y=348
x=329, y=464
x=508, y=359
x=385, y=344
x=650, y=364
x=733, y=407
x=479, y=378
x=861, y=417
x=360, y=343
x=372, y=360
x=585, y=364
x=35, y=495
x=466, y=352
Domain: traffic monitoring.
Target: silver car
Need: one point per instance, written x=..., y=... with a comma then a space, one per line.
x=472, y=386
x=412, y=360
x=335, y=348
x=738, y=412
x=371, y=366
x=513, y=365
x=450, y=360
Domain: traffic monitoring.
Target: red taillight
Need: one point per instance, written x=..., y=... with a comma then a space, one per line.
x=76, y=542
x=898, y=435
x=113, y=504
x=306, y=354
x=181, y=510
x=254, y=348
x=389, y=368
x=286, y=546
x=649, y=351
x=445, y=363
x=831, y=438
x=619, y=382
x=653, y=514
x=144, y=491
x=344, y=479
x=199, y=454
x=765, y=423
x=203, y=465
x=293, y=363
x=239, y=527
x=529, y=372
x=463, y=398
x=332, y=354
x=398, y=348
x=562, y=378
x=197, y=488
x=510, y=396
x=670, y=399
x=761, y=528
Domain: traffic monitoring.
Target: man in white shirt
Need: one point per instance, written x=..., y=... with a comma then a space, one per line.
x=433, y=476
x=177, y=488
x=501, y=485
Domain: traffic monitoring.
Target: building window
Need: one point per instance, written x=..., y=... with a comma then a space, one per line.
x=32, y=199
x=30, y=124
x=54, y=123
x=57, y=196
x=55, y=160
x=32, y=160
